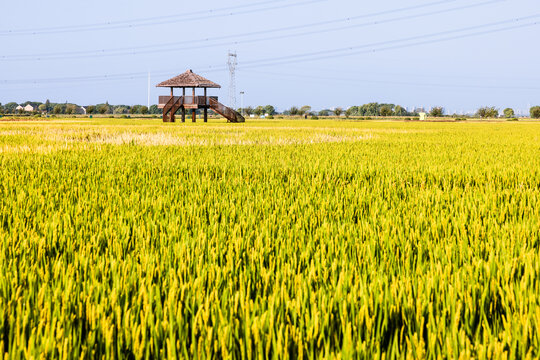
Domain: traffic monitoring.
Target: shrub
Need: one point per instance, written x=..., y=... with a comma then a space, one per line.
x=314, y=117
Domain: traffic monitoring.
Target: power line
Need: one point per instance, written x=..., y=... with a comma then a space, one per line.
x=363, y=80
x=323, y=54
x=170, y=47
x=312, y=56
x=151, y=21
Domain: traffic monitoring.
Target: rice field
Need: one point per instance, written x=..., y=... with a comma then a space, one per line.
x=271, y=239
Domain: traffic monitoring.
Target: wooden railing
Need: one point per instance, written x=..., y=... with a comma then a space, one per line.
x=187, y=100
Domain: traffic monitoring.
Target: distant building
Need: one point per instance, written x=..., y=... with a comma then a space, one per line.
x=423, y=116
x=28, y=108
x=19, y=108
x=83, y=110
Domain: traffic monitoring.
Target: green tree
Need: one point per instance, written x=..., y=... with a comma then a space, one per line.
x=91, y=109
x=294, y=111
x=10, y=107
x=349, y=112
x=270, y=110
x=324, y=112
x=144, y=110
x=386, y=110
x=42, y=107
x=1, y=109
x=400, y=111
x=487, y=112
x=437, y=111
x=154, y=109
x=71, y=109
x=57, y=109
x=509, y=113
x=259, y=111
x=103, y=109
x=535, y=112
x=47, y=105
x=119, y=110
x=338, y=111
x=304, y=110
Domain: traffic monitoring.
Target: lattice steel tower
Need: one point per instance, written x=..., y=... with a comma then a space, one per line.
x=232, y=62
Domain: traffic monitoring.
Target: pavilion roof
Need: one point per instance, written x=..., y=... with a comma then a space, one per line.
x=188, y=80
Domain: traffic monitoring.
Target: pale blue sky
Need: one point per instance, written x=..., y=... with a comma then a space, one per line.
x=460, y=54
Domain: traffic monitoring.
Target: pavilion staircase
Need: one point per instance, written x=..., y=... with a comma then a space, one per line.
x=226, y=112
x=171, y=107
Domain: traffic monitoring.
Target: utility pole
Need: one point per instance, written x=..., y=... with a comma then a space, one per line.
x=242, y=101
x=232, y=63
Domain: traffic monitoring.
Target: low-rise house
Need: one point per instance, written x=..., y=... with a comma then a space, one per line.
x=28, y=108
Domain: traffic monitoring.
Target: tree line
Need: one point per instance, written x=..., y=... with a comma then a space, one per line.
x=366, y=110
x=377, y=109
x=73, y=109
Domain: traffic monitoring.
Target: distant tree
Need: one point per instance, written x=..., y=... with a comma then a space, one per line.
x=349, y=112
x=103, y=109
x=338, y=111
x=509, y=113
x=304, y=110
x=535, y=112
x=10, y=107
x=400, y=111
x=90, y=109
x=42, y=107
x=294, y=111
x=71, y=109
x=144, y=110
x=386, y=110
x=324, y=113
x=487, y=112
x=135, y=109
x=47, y=105
x=1, y=109
x=437, y=111
x=259, y=111
x=119, y=110
x=248, y=111
x=371, y=109
x=57, y=109
x=270, y=110
x=154, y=109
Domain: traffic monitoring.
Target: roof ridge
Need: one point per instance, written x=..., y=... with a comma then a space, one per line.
x=189, y=79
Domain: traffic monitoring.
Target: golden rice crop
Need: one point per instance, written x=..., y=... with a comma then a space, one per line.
x=136, y=239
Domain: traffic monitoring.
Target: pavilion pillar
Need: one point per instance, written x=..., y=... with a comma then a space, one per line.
x=205, y=106
x=172, y=113
x=183, y=107
x=194, y=111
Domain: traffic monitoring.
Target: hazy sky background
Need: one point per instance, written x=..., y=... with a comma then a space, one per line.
x=391, y=51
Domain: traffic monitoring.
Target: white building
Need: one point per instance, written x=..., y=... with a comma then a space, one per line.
x=29, y=108
x=19, y=108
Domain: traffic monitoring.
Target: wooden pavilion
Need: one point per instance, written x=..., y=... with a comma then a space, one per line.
x=171, y=104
